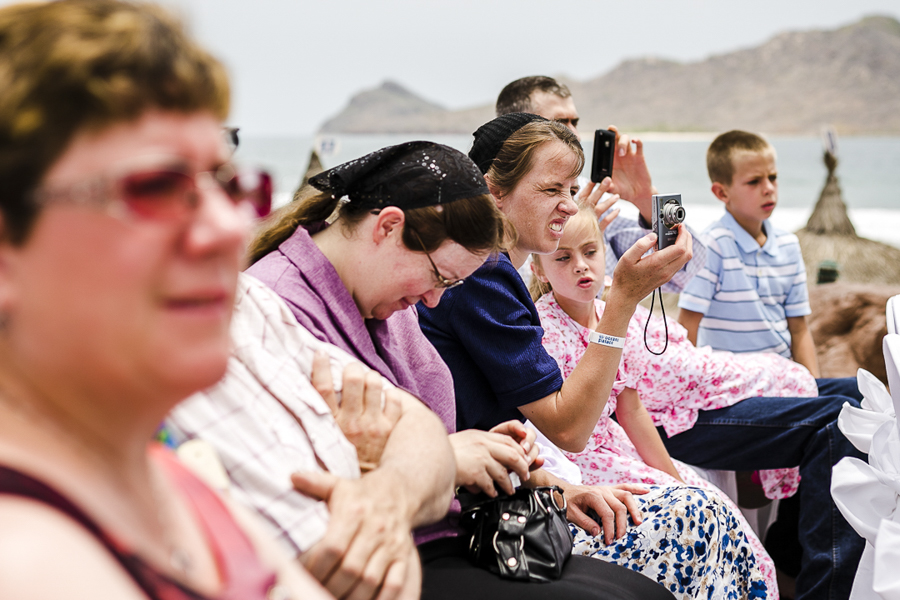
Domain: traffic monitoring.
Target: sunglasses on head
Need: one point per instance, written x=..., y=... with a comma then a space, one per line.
x=167, y=193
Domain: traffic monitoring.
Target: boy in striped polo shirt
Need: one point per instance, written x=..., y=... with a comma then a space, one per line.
x=751, y=296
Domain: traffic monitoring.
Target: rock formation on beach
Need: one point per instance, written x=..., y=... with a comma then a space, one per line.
x=793, y=83
x=848, y=324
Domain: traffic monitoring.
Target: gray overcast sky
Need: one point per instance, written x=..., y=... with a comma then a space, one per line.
x=294, y=63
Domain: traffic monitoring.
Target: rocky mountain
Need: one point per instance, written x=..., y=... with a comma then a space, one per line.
x=391, y=108
x=793, y=83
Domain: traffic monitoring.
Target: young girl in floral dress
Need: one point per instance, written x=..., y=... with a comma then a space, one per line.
x=675, y=385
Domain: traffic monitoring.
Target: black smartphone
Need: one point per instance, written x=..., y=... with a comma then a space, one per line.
x=604, y=152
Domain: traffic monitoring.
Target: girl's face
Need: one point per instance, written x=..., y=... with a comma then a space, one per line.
x=577, y=269
x=543, y=201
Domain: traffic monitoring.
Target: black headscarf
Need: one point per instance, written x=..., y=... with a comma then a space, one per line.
x=410, y=175
x=491, y=136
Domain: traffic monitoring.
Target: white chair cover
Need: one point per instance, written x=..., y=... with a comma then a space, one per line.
x=887, y=552
x=891, y=357
x=860, y=424
x=868, y=495
x=893, y=314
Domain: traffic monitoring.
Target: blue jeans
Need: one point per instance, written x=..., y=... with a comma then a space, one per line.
x=774, y=433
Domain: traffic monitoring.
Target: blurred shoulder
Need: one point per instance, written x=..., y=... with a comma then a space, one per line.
x=46, y=554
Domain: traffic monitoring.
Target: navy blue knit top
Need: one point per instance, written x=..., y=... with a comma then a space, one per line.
x=489, y=334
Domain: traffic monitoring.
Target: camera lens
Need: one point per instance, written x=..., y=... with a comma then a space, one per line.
x=672, y=214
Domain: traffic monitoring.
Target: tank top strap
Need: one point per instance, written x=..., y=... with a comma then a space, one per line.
x=245, y=577
x=155, y=585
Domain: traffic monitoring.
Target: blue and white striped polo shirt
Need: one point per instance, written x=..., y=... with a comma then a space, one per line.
x=746, y=292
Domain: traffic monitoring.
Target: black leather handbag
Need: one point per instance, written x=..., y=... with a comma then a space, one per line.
x=524, y=536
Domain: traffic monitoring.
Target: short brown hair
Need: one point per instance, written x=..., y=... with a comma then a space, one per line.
x=720, y=156
x=73, y=65
x=516, y=96
x=516, y=156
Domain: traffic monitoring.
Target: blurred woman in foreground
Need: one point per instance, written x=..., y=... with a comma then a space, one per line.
x=122, y=227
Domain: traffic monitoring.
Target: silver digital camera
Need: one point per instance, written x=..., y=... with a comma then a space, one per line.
x=667, y=213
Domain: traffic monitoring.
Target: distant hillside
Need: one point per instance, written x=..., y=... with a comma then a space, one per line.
x=793, y=83
x=391, y=108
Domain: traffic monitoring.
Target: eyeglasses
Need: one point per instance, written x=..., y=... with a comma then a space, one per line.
x=167, y=193
x=443, y=282
x=231, y=138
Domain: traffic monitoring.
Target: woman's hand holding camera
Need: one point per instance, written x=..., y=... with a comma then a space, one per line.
x=637, y=274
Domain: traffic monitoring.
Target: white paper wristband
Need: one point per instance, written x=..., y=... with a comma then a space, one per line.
x=606, y=340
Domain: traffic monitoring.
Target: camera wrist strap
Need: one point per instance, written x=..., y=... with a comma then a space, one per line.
x=665, y=323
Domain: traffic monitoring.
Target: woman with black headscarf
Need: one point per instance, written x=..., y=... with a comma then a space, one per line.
x=378, y=235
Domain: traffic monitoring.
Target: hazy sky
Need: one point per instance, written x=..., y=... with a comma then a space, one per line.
x=294, y=63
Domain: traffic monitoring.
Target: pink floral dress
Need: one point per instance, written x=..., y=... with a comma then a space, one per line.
x=673, y=387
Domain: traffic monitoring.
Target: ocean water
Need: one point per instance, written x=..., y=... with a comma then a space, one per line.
x=868, y=171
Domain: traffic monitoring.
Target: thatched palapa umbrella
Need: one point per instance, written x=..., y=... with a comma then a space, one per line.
x=313, y=168
x=847, y=320
x=829, y=235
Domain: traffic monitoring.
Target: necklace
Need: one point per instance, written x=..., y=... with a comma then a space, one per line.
x=179, y=559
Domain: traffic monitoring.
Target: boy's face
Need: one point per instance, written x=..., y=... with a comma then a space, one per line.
x=753, y=193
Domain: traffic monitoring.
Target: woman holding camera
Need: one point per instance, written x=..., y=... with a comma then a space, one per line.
x=531, y=165
x=488, y=332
